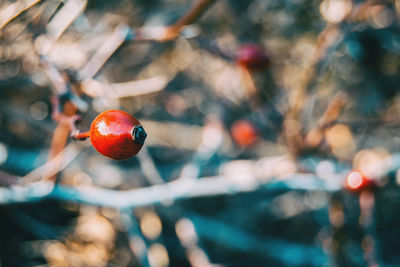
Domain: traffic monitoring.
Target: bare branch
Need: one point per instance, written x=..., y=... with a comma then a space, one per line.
x=175, y=190
x=13, y=10
x=163, y=34
x=113, y=42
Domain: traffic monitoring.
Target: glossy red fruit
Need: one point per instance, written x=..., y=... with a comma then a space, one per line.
x=244, y=133
x=117, y=135
x=357, y=181
x=252, y=57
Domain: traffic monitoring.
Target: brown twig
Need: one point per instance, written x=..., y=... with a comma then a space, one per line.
x=53, y=166
x=164, y=34
x=298, y=95
x=80, y=136
x=64, y=17
x=364, y=11
x=64, y=116
x=58, y=24
x=196, y=11
x=333, y=110
x=65, y=125
x=13, y=10
x=250, y=86
x=110, y=45
x=293, y=131
x=315, y=136
x=325, y=39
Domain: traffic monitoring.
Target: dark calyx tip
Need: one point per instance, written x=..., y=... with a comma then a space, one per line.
x=139, y=134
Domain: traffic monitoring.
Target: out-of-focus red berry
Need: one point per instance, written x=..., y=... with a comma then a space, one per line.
x=244, y=133
x=117, y=135
x=356, y=181
x=253, y=57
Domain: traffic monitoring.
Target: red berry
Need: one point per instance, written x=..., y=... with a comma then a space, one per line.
x=252, y=57
x=244, y=133
x=117, y=135
x=356, y=181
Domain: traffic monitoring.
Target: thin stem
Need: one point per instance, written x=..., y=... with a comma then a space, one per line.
x=53, y=166
x=16, y=9
x=64, y=116
x=106, y=50
x=332, y=112
x=172, y=31
x=250, y=86
x=81, y=136
x=196, y=11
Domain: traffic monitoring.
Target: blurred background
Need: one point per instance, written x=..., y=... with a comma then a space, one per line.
x=272, y=133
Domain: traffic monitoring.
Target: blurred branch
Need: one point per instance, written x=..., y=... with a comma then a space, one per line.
x=64, y=17
x=327, y=38
x=13, y=10
x=63, y=115
x=7, y=179
x=53, y=166
x=60, y=137
x=136, y=240
x=298, y=94
x=141, y=87
x=57, y=80
x=175, y=190
x=110, y=45
x=58, y=24
x=148, y=167
x=163, y=34
x=230, y=182
x=34, y=226
x=211, y=140
x=250, y=87
x=332, y=112
x=193, y=14
x=290, y=253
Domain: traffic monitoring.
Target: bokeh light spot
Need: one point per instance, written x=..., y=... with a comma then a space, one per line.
x=39, y=110
x=158, y=256
x=354, y=180
x=150, y=224
x=335, y=10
